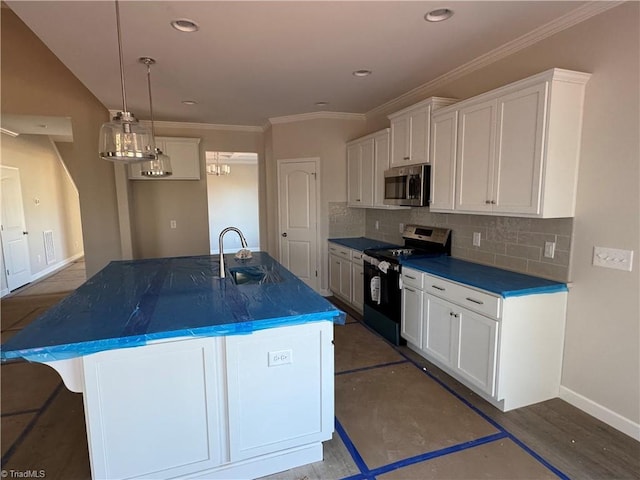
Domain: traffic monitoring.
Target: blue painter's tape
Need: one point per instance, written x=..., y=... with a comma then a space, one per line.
x=130, y=303
x=495, y=280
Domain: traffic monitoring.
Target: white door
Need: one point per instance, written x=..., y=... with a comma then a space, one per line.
x=297, y=205
x=15, y=246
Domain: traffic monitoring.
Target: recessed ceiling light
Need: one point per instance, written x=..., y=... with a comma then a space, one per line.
x=438, y=15
x=185, y=25
x=322, y=104
x=362, y=73
x=189, y=102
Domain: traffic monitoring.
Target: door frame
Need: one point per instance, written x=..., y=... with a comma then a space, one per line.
x=316, y=163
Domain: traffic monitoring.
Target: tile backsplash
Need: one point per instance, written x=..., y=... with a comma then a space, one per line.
x=506, y=242
x=345, y=222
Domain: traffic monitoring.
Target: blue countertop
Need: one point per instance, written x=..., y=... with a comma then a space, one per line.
x=129, y=303
x=362, y=243
x=491, y=279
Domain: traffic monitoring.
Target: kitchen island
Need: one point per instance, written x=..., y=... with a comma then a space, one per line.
x=188, y=375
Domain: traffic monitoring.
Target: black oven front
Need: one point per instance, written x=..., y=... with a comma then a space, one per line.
x=383, y=299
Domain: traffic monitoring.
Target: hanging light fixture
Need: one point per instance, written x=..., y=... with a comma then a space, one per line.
x=161, y=166
x=124, y=139
x=217, y=168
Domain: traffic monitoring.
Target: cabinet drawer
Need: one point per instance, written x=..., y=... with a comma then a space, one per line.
x=340, y=251
x=412, y=278
x=356, y=257
x=476, y=300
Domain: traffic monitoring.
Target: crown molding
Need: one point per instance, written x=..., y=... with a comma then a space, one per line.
x=208, y=126
x=568, y=20
x=196, y=126
x=317, y=115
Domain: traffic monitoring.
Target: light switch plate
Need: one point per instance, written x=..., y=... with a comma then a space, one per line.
x=549, y=249
x=613, y=258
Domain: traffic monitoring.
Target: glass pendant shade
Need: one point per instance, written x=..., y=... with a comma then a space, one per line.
x=124, y=139
x=160, y=167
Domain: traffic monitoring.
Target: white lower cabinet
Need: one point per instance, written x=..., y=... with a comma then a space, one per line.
x=280, y=392
x=232, y=407
x=507, y=350
x=346, y=275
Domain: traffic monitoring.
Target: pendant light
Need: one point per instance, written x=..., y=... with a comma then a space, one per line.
x=161, y=166
x=216, y=168
x=124, y=139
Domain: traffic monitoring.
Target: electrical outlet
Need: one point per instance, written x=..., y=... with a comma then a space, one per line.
x=613, y=258
x=549, y=249
x=476, y=239
x=401, y=227
x=173, y=224
x=281, y=357
x=377, y=225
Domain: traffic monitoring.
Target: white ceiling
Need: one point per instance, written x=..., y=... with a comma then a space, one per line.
x=255, y=60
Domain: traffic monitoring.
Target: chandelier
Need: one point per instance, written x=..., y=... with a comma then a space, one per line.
x=217, y=168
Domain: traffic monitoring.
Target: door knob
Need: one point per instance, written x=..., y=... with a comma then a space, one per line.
x=284, y=234
x=25, y=233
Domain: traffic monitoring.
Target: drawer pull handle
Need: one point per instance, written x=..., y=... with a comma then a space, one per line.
x=409, y=276
x=442, y=289
x=479, y=302
x=454, y=315
x=410, y=289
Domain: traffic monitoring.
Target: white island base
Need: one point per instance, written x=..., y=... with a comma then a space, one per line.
x=232, y=407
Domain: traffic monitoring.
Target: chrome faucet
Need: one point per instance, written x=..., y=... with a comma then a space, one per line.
x=221, y=246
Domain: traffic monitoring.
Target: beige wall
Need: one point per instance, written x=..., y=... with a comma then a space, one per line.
x=155, y=202
x=43, y=177
x=233, y=201
x=313, y=138
x=602, y=348
x=35, y=82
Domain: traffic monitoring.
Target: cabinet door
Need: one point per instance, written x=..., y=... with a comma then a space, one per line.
x=381, y=163
x=419, y=122
x=476, y=148
x=184, y=154
x=443, y=161
x=412, y=311
x=518, y=166
x=476, y=349
x=280, y=384
x=345, y=279
x=440, y=329
x=334, y=274
x=400, y=128
x=357, y=286
x=156, y=409
x=354, y=194
x=367, y=170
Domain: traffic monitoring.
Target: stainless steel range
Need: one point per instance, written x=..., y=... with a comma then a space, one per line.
x=382, y=267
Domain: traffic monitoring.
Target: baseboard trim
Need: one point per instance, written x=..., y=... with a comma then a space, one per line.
x=601, y=412
x=55, y=267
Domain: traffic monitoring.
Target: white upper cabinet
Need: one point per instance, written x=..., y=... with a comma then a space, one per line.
x=443, y=160
x=411, y=130
x=360, y=172
x=367, y=159
x=185, y=159
x=517, y=149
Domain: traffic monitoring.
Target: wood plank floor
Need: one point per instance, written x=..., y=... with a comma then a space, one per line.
x=43, y=423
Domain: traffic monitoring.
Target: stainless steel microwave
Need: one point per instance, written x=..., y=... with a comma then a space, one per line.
x=407, y=186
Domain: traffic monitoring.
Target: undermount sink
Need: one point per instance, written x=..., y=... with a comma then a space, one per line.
x=254, y=275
